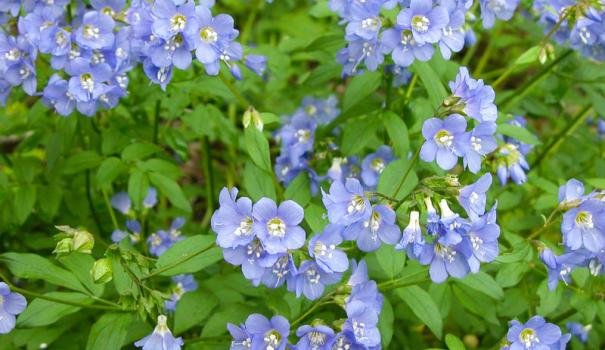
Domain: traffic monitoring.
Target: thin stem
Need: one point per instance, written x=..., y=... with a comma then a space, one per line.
x=250, y=21
x=241, y=99
x=209, y=340
x=573, y=124
x=112, y=214
x=408, y=93
x=405, y=175
x=156, y=121
x=93, y=210
x=381, y=195
x=208, y=179
x=176, y=263
x=521, y=91
x=546, y=224
x=315, y=306
x=487, y=53
x=57, y=300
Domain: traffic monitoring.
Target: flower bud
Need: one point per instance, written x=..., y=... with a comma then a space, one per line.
x=83, y=242
x=64, y=246
x=102, y=271
x=252, y=115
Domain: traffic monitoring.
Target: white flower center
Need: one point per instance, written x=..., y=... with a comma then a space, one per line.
x=87, y=82
x=245, y=227
x=317, y=338
x=303, y=135
x=12, y=54
x=370, y=23
x=407, y=39
x=178, y=22
x=208, y=35
x=445, y=253
x=322, y=249
x=313, y=276
x=272, y=339
x=528, y=337
x=444, y=138
x=276, y=227
x=476, y=143
x=378, y=165
x=584, y=220
x=476, y=242
x=90, y=32
x=420, y=23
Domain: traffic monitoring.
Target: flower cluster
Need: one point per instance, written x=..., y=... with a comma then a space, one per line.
x=358, y=331
x=536, y=334
x=453, y=245
x=510, y=157
x=447, y=139
x=92, y=48
x=583, y=230
x=418, y=28
x=579, y=24
x=297, y=137
x=11, y=304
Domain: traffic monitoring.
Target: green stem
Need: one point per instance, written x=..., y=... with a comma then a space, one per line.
x=95, y=216
x=60, y=301
x=156, y=121
x=209, y=180
x=315, y=306
x=250, y=21
x=408, y=93
x=508, y=102
x=546, y=224
x=241, y=99
x=405, y=175
x=573, y=124
x=112, y=214
x=176, y=263
x=208, y=340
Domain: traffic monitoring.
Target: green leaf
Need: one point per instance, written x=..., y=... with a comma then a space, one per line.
x=192, y=309
x=391, y=178
x=299, y=190
x=35, y=267
x=484, y=283
x=315, y=217
x=358, y=133
x=477, y=303
x=398, y=133
x=24, y=200
x=385, y=323
x=549, y=299
x=81, y=161
x=596, y=182
x=138, y=184
x=431, y=82
x=361, y=86
x=42, y=312
x=189, y=255
x=423, y=307
x=124, y=284
x=109, y=170
x=80, y=265
x=390, y=260
x=518, y=133
x=139, y=151
x=529, y=56
x=511, y=274
x=258, y=183
x=49, y=199
x=257, y=147
x=454, y=343
x=170, y=188
x=216, y=324
x=269, y=118
x=163, y=167
x=109, y=332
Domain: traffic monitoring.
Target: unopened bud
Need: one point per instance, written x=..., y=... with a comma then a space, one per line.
x=64, y=246
x=451, y=101
x=102, y=271
x=471, y=341
x=251, y=115
x=83, y=242
x=543, y=55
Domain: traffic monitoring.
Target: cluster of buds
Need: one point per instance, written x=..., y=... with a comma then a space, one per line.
x=73, y=240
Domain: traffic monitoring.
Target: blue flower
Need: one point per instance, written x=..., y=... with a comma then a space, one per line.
x=268, y=334
x=584, y=226
x=278, y=227
x=511, y=164
x=482, y=236
x=412, y=240
x=161, y=338
x=214, y=35
x=151, y=199
x=135, y=236
x=281, y=271
x=536, y=334
x=560, y=267
x=364, y=20
x=443, y=140
x=571, y=193
x=323, y=111
x=343, y=168
x=256, y=63
x=478, y=143
x=96, y=31
x=346, y=340
x=252, y=257
x=473, y=197
x=157, y=75
x=171, y=20
x=310, y=280
x=323, y=248
x=379, y=227
x=242, y=339
x=88, y=83
x=476, y=99
x=579, y=330
x=346, y=203
x=183, y=284
x=492, y=9
x=11, y=304
x=232, y=221
x=373, y=165
x=369, y=52
x=318, y=337
x=56, y=95
x=453, y=36
x=425, y=21
x=121, y=202
x=400, y=42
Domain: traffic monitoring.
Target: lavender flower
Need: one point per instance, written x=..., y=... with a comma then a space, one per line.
x=310, y=280
x=323, y=248
x=183, y=284
x=379, y=227
x=318, y=337
x=11, y=304
x=584, y=226
x=426, y=22
x=232, y=221
x=268, y=334
x=473, y=197
x=373, y=165
x=278, y=227
x=534, y=335
x=443, y=140
x=161, y=338
x=346, y=203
